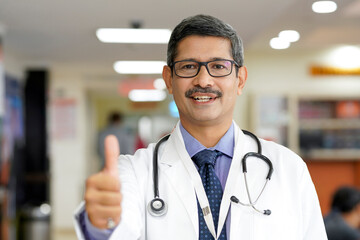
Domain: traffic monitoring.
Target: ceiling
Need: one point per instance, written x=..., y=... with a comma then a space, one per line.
x=63, y=32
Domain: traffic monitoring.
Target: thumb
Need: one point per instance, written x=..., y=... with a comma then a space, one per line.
x=112, y=152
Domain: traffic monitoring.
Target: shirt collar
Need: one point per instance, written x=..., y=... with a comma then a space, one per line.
x=225, y=145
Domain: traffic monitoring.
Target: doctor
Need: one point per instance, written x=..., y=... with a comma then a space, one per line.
x=205, y=73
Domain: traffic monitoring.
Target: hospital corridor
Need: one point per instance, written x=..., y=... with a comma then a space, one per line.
x=66, y=84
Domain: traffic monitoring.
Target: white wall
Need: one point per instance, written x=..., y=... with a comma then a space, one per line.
x=13, y=66
x=288, y=72
x=68, y=157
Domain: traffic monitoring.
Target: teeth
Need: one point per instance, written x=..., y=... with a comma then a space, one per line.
x=202, y=98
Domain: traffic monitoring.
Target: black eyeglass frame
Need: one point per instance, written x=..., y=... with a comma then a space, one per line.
x=206, y=66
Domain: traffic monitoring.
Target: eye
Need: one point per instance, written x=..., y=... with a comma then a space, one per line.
x=219, y=65
x=187, y=65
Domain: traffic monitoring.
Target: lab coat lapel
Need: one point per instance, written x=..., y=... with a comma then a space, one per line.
x=243, y=217
x=172, y=166
x=235, y=179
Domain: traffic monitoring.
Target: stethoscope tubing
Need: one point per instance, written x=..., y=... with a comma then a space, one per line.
x=155, y=166
x=162, y=208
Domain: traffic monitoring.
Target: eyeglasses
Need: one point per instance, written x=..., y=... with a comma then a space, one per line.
x=215, y=68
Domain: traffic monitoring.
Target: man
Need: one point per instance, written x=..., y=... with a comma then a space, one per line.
x=124, y=136
x=199, y=167
x=343, y=222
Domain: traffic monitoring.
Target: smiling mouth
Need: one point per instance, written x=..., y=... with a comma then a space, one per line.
x=203, y=95
x=202, y=98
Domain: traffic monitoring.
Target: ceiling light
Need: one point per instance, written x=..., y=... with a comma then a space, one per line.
x=130, y=35
x=159, y=84
x=289, y=35
x=147, y=95
x=139, y=67
x=324, y=6
x=278, y=43
x=346, y=57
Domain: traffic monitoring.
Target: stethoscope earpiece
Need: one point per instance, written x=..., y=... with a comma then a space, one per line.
x=266, y=212
x=157, y=207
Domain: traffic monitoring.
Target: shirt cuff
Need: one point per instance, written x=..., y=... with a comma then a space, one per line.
x=94, y=232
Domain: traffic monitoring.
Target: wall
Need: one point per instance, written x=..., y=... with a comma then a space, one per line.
x=288, y=72
x=67, y=153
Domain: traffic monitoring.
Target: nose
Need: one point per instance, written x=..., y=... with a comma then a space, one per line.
x=203, y=78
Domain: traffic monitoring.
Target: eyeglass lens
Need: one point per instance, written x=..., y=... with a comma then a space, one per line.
x=218, y=68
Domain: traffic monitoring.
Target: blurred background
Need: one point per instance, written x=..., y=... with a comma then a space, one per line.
x=59, y=83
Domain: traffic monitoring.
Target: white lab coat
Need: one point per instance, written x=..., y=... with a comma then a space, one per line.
x=290, y=195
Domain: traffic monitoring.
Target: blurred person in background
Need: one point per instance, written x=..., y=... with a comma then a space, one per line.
x=117, y=128
x=343, y=222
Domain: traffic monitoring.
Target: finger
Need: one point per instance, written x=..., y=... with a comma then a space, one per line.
x=105, y=198
x=105, y=212
x=102, y=223
x=103, y=182
x=112, y=152
x=99, y=215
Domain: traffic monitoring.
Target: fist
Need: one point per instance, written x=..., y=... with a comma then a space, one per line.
x=102, y=194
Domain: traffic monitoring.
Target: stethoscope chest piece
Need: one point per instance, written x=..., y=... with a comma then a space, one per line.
x=157, y=207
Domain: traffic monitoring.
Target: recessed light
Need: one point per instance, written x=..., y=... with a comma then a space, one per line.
x=147, y=95
x=347, y=57
x=130, y=35
x=289, y=35
x=278, y=43
x=324, y=6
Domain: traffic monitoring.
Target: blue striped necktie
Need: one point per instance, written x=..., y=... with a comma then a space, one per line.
x=205, y=160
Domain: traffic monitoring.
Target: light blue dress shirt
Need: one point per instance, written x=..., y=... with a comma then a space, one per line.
x=223, y=162
x=193, y=146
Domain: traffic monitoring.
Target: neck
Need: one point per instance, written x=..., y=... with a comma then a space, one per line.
x=207, y=135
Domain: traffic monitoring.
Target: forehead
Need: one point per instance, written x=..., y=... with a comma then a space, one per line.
x=203, y=48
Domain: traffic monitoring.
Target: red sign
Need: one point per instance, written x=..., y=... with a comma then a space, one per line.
x=126, y=85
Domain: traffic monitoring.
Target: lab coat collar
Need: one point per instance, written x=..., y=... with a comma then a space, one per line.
x=175, y=153
x=170, y=163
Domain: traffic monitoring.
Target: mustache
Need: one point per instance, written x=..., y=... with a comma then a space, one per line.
x=190, y=92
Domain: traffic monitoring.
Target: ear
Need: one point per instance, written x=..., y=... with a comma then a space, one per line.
x=167, y=76
x=242, y=76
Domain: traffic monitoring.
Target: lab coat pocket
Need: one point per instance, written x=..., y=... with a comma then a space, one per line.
x=242, y=222
x=279, y=225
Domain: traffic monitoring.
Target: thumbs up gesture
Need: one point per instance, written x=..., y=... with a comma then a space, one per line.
x=102, y=194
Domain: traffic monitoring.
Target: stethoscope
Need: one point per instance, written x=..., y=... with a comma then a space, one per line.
x=158, y=207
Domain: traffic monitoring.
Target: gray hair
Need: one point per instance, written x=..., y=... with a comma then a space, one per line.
x=205, y=25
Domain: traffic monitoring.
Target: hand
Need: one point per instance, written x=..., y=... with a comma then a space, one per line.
x=102, y=194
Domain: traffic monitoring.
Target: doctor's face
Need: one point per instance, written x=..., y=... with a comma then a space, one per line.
x=205, y=100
